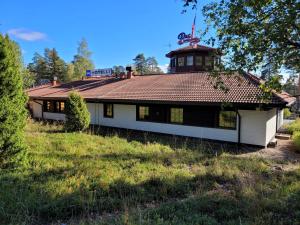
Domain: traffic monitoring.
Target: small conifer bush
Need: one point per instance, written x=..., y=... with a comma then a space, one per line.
x=77, y=114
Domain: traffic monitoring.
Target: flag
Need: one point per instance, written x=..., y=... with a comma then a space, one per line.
x=193, y=27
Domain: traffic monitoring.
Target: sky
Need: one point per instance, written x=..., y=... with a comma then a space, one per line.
x=116, y=31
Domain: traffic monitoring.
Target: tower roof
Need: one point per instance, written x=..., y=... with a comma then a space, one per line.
x=187, y=49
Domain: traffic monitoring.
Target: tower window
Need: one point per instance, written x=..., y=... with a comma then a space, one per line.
x=173, y=62
x=181, y=61
x=190, y=60
x=208, y=61
x=199, y=60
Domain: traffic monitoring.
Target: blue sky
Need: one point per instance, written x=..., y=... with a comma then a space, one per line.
x=115, y=30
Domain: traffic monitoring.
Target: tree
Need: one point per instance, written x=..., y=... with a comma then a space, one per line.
x=253, y=33
x=56, y=67
x=82, y=60
x=38, y=67
x=70, y=72
x=77, y=114
x=12, y=101
x=145, y=65
x=140, y=64
x=28, y=78
x=48, y=66
x=118, y=70
x=152, y=66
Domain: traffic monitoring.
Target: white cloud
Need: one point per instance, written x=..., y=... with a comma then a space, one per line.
x=164, y=68
x=27, y=35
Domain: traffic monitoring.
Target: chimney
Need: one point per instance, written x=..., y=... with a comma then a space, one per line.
x=129, y=72
x=54, y=81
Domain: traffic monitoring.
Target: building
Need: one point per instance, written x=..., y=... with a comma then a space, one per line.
x=185, y=102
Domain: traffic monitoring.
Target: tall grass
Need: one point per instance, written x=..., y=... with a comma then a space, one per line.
x=80, y=178
x=294, y=129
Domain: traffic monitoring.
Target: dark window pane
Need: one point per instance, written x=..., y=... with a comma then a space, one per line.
x=227, y=119
x=108, y=110
x=143, y=113
x=176, y=115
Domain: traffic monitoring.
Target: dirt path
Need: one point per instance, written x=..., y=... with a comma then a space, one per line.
x=283, y=155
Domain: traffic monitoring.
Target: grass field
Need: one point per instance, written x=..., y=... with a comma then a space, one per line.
x=294, y=129
x=80, y=178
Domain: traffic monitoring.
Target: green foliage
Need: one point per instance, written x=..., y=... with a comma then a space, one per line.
x=296, y=140
x=294, y=126
x=146, y=65
x=28, y=78
x=12, y=101
x=286, y=113
x=118, y=70
x=48, y=66
x=114, y=180
x=77, y=114
x=82, y=60
x=258, y=32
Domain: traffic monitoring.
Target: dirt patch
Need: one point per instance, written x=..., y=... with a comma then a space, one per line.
x=283, y=155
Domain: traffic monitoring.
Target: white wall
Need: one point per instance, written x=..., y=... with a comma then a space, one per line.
x=280, y=118
x=54, y=116
x=258, y=127
x=253, y=127
x=271, y=125
x=125, y=117
x=36, y=108
x=37, y=112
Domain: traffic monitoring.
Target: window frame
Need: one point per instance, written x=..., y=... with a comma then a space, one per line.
x=54, y=106
x=105, y=112
x=187, y=60
x=228, y=127
x=201, y=60
x=183, y=62
x=170, y=115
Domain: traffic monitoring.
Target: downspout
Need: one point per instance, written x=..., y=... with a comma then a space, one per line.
x=41, y=107
x=276, y=120
x=239, y=127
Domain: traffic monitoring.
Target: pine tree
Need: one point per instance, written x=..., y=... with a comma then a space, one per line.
x=56, y=67
x=12, y=101
x=82, y=60
x=77, y=114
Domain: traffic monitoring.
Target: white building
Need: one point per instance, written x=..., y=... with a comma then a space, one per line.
x=186, y=103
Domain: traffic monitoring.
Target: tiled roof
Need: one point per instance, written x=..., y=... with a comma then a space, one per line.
x=199, y=48
x=183, y=88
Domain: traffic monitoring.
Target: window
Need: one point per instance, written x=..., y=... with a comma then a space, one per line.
x=217, y=61
x=173, y=62
x=108, y=110
x=190, y=60
x=227, y=119
x=48, y=106
x=176, y=115
x=54, y=106
x=143, y=113
x=199, y=60
x=153, y=113
x=181, y=61
x=208, y=61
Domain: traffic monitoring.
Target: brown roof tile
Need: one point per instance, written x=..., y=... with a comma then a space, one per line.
x=188, y=88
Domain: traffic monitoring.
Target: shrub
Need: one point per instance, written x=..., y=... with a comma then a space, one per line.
x=296, y=140
x=77, y=114
x=293, y=127
x=286, y=113
x=12, y=102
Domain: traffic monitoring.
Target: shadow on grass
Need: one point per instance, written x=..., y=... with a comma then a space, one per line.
x=174, y=141
x=180, y=200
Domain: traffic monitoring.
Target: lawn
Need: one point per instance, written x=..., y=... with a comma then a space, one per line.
x=81, y=178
